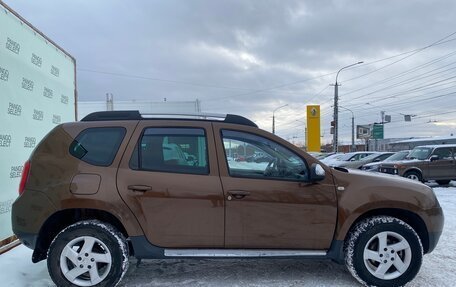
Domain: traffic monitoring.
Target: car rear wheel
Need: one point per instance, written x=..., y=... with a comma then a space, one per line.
x=383, y=251
x=443, y=182
x=413, y=175
x=88, y=253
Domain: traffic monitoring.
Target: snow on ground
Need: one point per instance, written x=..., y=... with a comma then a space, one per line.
x=438, y=269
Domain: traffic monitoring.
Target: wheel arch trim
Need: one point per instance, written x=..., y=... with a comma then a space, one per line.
x=414, y=219
x=63, y=218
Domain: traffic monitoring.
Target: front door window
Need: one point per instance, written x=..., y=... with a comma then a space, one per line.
x=253, y=156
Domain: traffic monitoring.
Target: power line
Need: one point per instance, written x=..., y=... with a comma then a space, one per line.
x=271, y=88
x=416, y=89
x=409, y=80
x=401, y=59
x=401, y=74
x=160, y=80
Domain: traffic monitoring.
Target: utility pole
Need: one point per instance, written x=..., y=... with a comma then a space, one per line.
x=353, y=146
x=273, y=123
x=273, y=117
x=336, y=115
x=353, y=133
x=336, y=108
x=109, y=102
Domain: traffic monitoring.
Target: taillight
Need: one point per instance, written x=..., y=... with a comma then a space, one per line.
x=24, y=177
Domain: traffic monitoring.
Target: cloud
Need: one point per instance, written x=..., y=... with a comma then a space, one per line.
x=249, y=57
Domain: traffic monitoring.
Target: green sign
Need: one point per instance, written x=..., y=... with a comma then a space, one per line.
x=377, y=131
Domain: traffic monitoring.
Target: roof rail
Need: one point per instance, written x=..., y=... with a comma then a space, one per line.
x=136, y=115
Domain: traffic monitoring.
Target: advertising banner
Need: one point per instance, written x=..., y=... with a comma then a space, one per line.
x=313, y=128
x=37, y=92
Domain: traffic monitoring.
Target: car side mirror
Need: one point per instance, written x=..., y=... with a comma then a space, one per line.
x=434, y=157
x=317, y=173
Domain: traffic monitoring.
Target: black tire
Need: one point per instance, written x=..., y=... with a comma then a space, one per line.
x=414, y=175
x=364, y=235
x=114, y=251
x=443, y=182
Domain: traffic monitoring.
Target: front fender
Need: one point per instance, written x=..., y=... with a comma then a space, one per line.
x=362, y=192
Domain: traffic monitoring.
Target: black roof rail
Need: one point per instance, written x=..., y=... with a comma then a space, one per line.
x=112, y=116
x=240, y=120
x=136, y=115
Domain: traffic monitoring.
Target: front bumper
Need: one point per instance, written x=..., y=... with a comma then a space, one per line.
x=436, y=221
x=389, y=170
x=433, y=240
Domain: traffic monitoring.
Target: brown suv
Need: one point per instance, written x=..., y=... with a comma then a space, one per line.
x=117, y=184
x=429, y=162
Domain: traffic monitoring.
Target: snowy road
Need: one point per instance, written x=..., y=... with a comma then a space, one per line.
x=439, y=267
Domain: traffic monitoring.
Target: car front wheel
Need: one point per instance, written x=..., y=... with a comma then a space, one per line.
x=413, y=175
x=383, y=251
x=88, y=253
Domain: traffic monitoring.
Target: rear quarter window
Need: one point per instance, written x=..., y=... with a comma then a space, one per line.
x=98, y=146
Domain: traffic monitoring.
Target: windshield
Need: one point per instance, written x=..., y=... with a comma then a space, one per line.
x=398, y=156
x=372, y=156
x=420, y=153
x=346, y=157
x=336, y=156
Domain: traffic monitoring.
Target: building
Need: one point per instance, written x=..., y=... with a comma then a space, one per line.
x=143, y=106
x=413, y=142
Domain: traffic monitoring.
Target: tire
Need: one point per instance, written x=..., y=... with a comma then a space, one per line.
x=414, y=175
x=403, y=252
x=443, y=182
x=88, y=253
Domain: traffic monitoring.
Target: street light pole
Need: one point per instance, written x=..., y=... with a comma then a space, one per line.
x=353, y=146
x=336, y=107
x=273, y=117
x=305, y=132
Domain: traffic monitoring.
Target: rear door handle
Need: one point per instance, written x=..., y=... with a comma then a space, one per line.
x=238, y=194
x=140, y=188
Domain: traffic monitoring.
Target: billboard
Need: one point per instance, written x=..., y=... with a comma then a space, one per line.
x=313, y=128
x=37, y=92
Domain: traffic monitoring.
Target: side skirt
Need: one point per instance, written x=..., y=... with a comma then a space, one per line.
x=143, y=249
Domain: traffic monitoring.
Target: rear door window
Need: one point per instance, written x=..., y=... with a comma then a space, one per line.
x=98, y=146
x=180, y=150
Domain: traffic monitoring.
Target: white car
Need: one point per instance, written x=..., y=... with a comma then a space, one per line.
x=344, y=158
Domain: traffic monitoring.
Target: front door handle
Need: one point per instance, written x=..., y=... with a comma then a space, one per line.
x=140, y=188
x=238, y=194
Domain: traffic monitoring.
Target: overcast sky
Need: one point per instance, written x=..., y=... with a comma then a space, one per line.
x=250, y=57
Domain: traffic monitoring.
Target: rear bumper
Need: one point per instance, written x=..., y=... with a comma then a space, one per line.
x=27, y=239
x=28, y=214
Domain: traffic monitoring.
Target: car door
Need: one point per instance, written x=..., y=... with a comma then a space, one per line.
x=269, y=202
x=169, y=178
x=443, y=167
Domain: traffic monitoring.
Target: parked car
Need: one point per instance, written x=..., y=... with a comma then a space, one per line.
x=375, y=157
x=348, y=157
x=374, y=166
x=320, y=155
x=332, y=158
x=115, y=185
x=429, y=162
